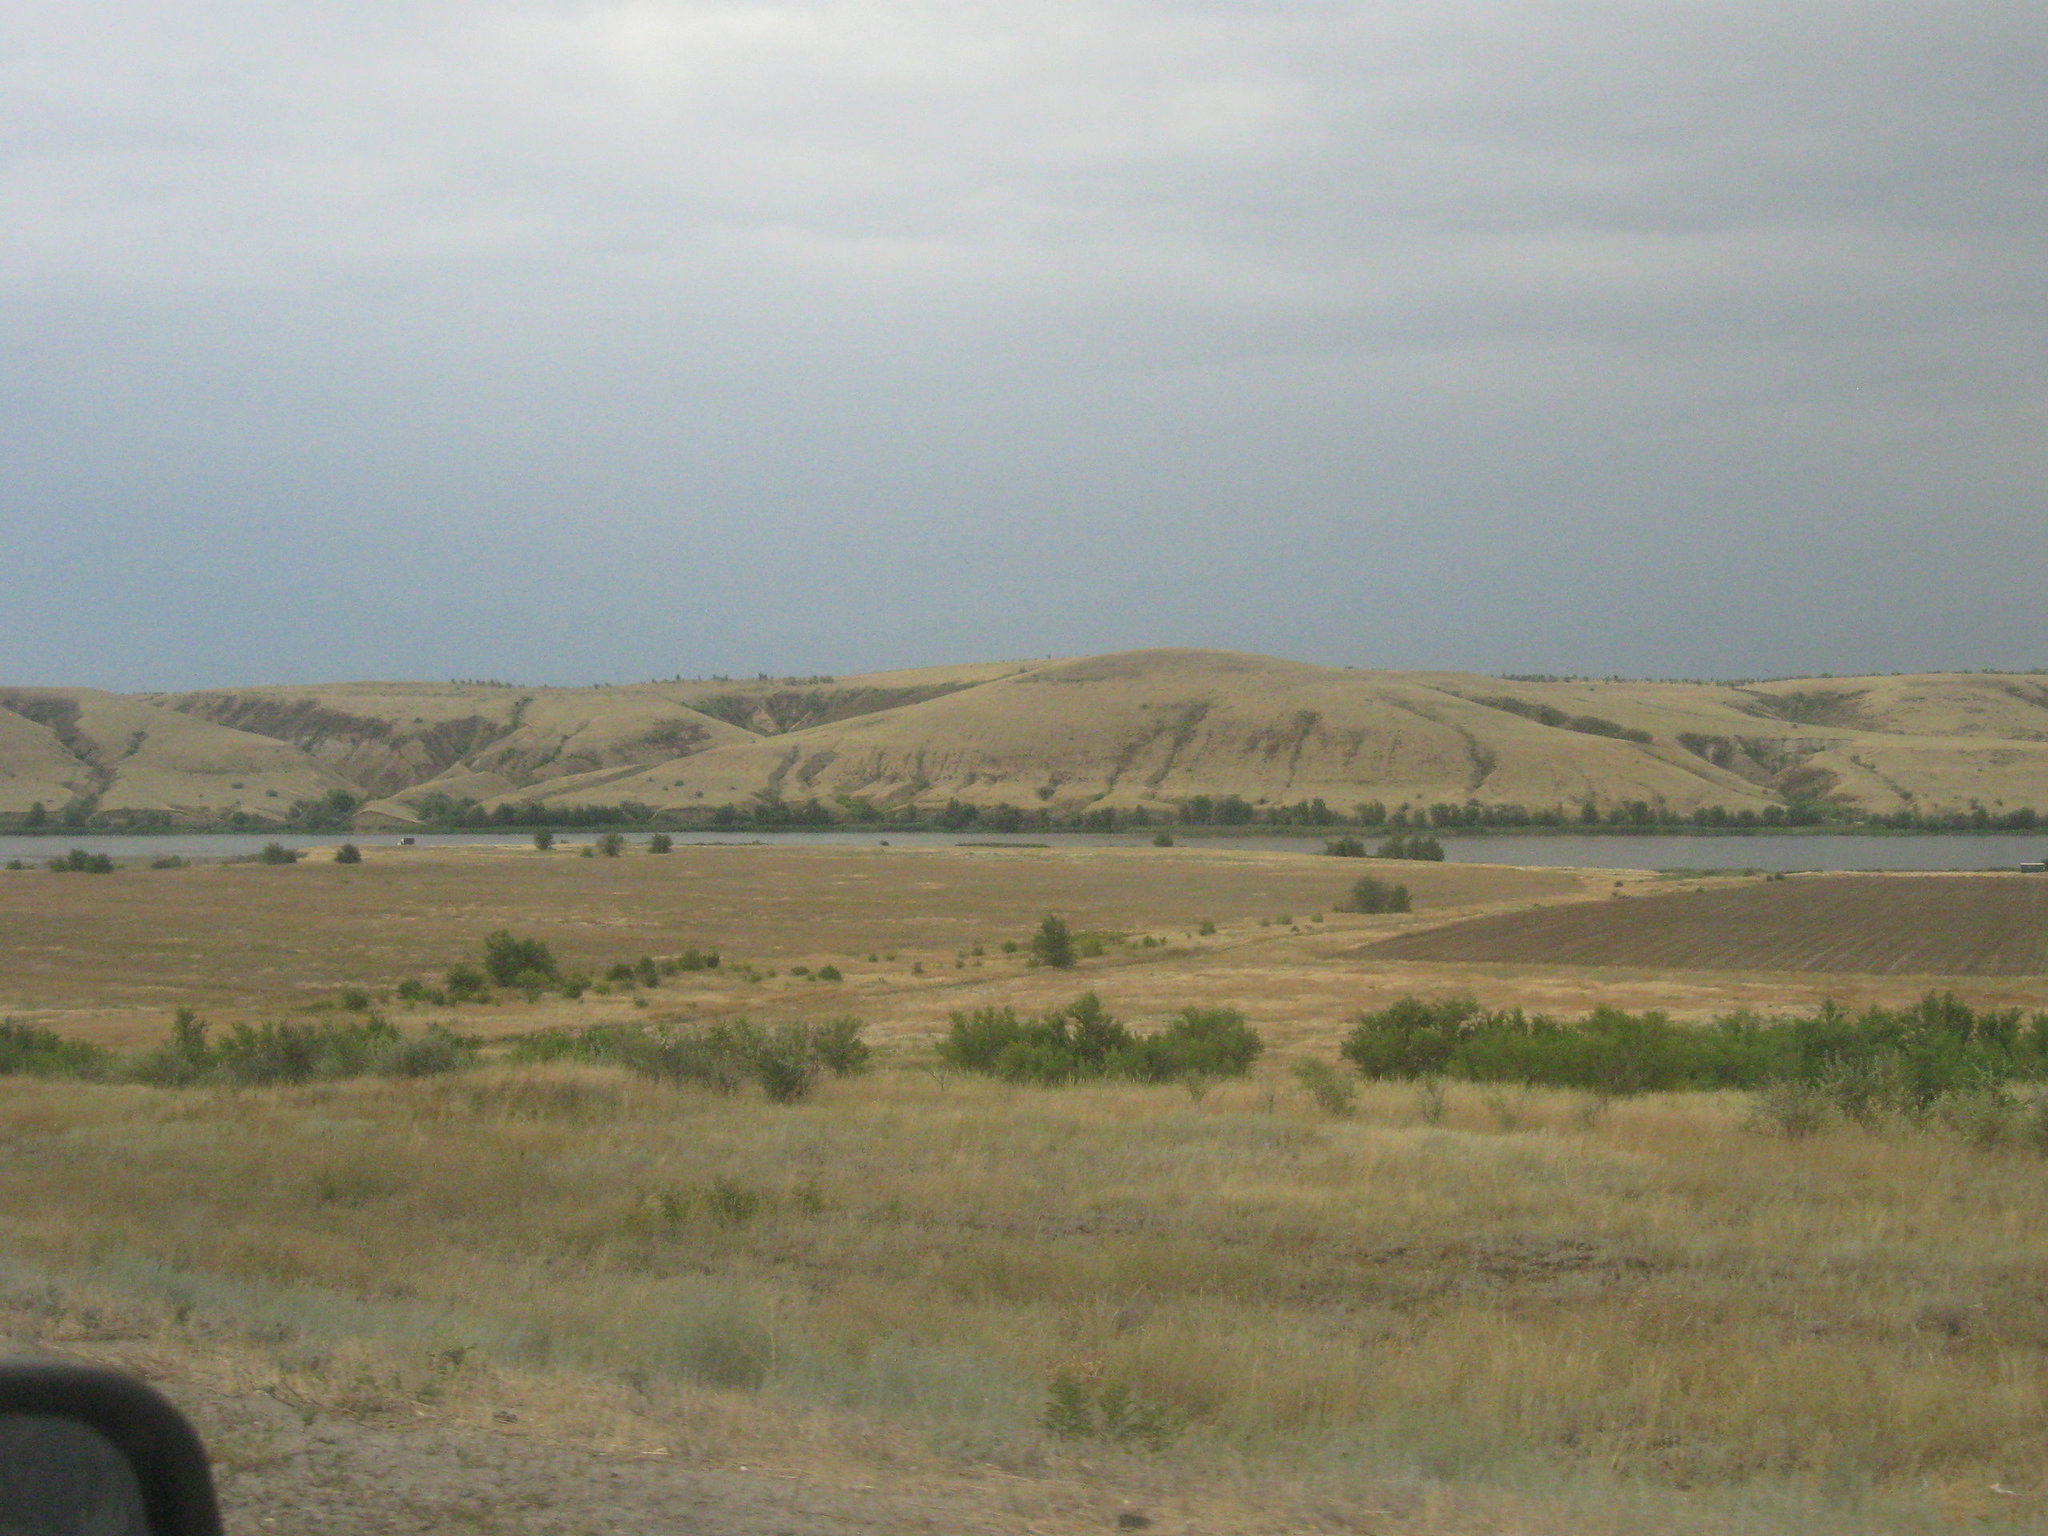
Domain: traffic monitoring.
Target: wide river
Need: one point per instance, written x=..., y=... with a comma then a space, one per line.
x=1613, y=851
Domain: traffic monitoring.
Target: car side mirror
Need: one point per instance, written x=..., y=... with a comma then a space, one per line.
x=91, y=1452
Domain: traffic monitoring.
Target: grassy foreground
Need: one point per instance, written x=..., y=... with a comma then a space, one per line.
x=1581, y=1315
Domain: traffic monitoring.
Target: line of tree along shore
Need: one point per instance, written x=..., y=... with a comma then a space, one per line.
x=340, y=811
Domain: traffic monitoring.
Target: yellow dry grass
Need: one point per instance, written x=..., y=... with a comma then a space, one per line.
x=1538, y=1314
x=1526, y=1297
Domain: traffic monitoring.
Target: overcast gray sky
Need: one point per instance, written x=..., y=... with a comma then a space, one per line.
x=596, y=342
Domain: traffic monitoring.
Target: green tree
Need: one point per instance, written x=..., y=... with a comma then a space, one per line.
x=612, y=844
x=661, y=842
x=512, y=962
x=544, y=839
x=1053, y=944
x=348, y=853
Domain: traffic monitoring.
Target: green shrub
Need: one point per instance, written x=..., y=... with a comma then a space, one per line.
x=277, y=853
x=36, y=1052
x=783, y=1062
x=1082, y=1042
x=829, y=973
x=1372, y=895
x=79, y=862
x=1162, y=839
x=168, y=861
x=512, y=962
x=839, y=1048
x=1414, y=846
x=355, y=1000
x=466, y=984
x=1877, y=1065
x=1344, y=848
x=1053, y=944
x=612, y=844
x=543, y=839
x=1196, y=1043
x=661, y=842
x=285, y=1052
x=348, y=853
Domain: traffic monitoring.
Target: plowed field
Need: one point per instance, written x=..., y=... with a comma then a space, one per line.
x=1937, y=925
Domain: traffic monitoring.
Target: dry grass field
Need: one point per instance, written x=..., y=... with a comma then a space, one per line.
x=1885, y=925
x=109, y=957
x=566, y=1299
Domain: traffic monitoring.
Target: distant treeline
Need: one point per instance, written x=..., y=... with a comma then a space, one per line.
x=336, y=812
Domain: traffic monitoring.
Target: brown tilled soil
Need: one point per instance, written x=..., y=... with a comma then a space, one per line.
x=1883, y=925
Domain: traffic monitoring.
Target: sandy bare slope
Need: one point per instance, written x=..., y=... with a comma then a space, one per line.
x=1148, y=728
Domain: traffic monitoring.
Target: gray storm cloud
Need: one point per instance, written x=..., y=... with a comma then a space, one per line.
x=599, y=341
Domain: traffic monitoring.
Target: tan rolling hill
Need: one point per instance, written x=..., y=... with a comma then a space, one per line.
x=121, y=756
x=1141, y=728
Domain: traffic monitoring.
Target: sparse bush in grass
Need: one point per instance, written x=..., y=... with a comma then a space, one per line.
x=348, y=853
x=1509, y=1108
x=1332, y=1091
x=1372, y=895
x=1053, y=944
x=1162, y=839
x=1344, y=848
x=466, y=984
x=646, y=972
x=1078, y=1408
x=79, y=862
x=543, y=839
x=285, y=1052
x=354, y=1000
x=37, y=1052
x=1206, y=928
x=728, y=1349
x=829, y=973
x=168, y=861
x=277, y=853
x=1082, y=1042
x=784, y=1061
x=612, y=844
x=1987, y=1115
x=1431, y=1102
x=1789, y=1108
x=414, y=991
x=661, y=842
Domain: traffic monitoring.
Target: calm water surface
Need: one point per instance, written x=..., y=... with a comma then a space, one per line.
x=1793, y=851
